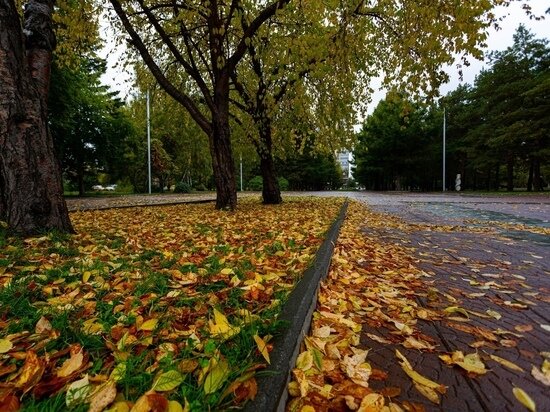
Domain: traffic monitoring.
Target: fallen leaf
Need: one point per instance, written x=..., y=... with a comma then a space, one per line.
x=31, y=372
x=9, y=403
x=428, y=393
x=545, y=327
x=77, y=392
x=72, y=364
x=372, y=402
x=523, y=328
x=43, y=326
x=457, y=309
x=415, y=376
x=493, y=313
x=524, y=399
x=5, y=345
x=151, y=402
x=102, y=396
x=304, y=360
x=262, y=347
x=167, y=381
x=220, y=326
x=216, y=376
x=506, y=363
x=149, y=324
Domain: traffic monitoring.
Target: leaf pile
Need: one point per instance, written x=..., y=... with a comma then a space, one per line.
x=377, y=296
x=153, y=308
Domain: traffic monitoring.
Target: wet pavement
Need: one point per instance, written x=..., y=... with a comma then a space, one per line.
x=494, y=256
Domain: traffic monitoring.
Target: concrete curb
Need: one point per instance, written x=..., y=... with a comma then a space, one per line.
x=297, y=312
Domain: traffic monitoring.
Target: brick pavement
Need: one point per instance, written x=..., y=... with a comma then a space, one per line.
x=508, y=271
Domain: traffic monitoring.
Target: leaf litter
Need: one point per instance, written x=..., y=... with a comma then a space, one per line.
x=376, y=295
x=152, y=308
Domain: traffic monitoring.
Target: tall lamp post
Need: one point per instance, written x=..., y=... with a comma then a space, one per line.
x=148, y=143
x=444, y=121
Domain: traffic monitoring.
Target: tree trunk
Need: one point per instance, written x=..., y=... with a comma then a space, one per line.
x=497, y=177
x=30, y=177
x=271, y=192
x=222, y=164
x=530, y=177
x=80, y=179
x=537, y=181
x=510, y=172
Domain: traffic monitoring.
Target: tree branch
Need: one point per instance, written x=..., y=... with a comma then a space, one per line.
x=180, y=97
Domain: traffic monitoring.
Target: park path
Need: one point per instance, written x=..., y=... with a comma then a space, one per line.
x=495, y=247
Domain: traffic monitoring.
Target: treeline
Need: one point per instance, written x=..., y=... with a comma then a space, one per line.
x=497, y=130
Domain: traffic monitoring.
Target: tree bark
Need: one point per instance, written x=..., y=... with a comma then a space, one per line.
x=271, y=192
x=537, y=181
x=530, y=176
x=30, y=177
x=222, y=161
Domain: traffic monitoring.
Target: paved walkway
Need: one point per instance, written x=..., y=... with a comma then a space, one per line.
x=511, y=268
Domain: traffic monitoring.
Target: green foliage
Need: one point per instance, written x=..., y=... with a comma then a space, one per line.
x=88, y=124
x=255, y=184
x=497, y=130
x=397, y=147
x=283, y=183
x=182, y=187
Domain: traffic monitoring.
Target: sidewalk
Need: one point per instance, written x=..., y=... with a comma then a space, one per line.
x=428, y=290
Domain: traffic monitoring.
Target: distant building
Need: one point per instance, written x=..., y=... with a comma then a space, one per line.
x=344, y=158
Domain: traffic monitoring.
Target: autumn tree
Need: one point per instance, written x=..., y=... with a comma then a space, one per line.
x=206, y=41
x=31, y=197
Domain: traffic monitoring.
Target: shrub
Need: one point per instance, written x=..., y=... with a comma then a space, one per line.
x=255, y=183
x=283, y=184
x=200, y=187
x=182, y=187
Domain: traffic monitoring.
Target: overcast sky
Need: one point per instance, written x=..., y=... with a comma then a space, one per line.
x=497, y=40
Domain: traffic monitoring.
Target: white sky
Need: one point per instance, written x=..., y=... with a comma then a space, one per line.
x=497, y=40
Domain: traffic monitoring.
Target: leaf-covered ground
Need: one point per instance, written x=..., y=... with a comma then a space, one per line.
x=404, y=324
x=151, y=308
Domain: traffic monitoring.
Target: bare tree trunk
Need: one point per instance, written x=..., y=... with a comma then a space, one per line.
x=537, y=181
x=530, y=176
x=30, y=177
x=271, y=192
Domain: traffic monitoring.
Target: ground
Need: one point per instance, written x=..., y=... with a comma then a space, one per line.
x=433, y=275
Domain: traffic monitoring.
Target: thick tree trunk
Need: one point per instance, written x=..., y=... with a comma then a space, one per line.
x=271, y=192
x=222, y=164
x=30, y=178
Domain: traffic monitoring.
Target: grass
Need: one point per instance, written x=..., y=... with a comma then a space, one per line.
x=139, y=289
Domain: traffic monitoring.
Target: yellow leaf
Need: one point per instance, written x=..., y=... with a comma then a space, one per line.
x=5, y=345
x=149, y=325
x=472, y=363
x=227, y=271
x=493, y=313
x=118, y=372
x=414, y=343
x=216, y=377
x=120, y=406
x=428, y=393
x=415, y=376
x=371, y=402
x=221, y=327
x=304, y=361
x=72, y=364
x=525, y=399
x=541, y=375
x=457, y=309
x=506, y=363
x=167, y=381
x=262, y=347
x=86, y=276
x=174, y=406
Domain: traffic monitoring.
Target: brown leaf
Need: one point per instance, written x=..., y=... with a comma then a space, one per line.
x=31, y=372
x=151, y=402
x=9, y=403
x=102, y=397
x=73, y=363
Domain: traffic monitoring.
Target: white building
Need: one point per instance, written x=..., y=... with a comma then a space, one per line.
x=344, y=158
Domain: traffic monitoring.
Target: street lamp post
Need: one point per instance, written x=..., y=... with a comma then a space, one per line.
x=148, y=143
x=444, y=127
